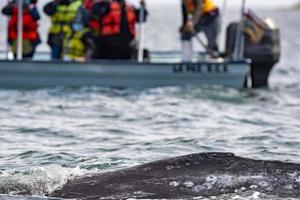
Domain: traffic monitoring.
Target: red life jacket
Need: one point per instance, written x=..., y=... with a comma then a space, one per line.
x=111, y=23
x=94, y=26
x=88, y=4
x=30, y=26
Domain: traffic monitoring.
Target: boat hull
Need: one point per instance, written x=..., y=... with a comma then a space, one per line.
x=122, y=74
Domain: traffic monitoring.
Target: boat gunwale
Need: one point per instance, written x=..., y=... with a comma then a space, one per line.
x=122, y=62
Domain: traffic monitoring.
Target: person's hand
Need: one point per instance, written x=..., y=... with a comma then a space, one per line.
x=80, y=59
x=189, y=26
x=133, y=44
x=181, y=29
x=32, y=6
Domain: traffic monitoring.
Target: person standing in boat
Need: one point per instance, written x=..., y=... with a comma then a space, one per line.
x=89, y=3
x=62, y=13
x=116, y=24
x=78, y=44
x=31, y=36
x=199, y=15
x=93, y=22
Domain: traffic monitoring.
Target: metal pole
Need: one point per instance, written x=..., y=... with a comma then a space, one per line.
x=202, y=43
x=242, y=45
x=6, y=42
x=223, y=20
x=239, y=42
x=141, y=34
x=20, y=31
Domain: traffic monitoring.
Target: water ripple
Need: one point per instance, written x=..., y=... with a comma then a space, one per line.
x=61, y=132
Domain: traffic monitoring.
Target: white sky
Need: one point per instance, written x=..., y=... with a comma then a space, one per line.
x=233, y=3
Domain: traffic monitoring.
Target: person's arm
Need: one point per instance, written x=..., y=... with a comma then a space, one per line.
x=34, y=12
x=85, y=15
x=184, y=13
x=100, y=9
x=138, y=11
x=191, y=19
x=197, y=14
x=7, y=10
x=89, y=45
x=137, y=14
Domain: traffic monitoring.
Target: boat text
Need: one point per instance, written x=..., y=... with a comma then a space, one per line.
x=220, y=68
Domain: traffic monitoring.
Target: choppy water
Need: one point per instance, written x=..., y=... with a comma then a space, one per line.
x=49, y=135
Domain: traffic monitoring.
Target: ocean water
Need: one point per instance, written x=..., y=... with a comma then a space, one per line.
x=52, y=134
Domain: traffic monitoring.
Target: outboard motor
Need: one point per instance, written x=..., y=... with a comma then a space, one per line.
x=264, y=53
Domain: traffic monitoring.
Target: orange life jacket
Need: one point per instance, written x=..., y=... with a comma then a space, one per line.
x=111, y=23
x=207, y=6
x=30, y=26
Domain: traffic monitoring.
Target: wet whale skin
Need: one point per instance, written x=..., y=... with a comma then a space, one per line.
x=205, y=174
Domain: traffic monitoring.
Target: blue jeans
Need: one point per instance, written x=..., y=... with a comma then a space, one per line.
x=56, y=52
x=210, y=26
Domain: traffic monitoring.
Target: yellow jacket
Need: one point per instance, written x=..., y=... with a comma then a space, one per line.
x=207, y=6
x=62, y=19
x=73, y=46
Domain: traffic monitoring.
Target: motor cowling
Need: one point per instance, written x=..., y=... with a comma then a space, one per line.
x=264, y=54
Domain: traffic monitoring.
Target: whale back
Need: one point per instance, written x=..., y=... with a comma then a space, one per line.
x=205, y=174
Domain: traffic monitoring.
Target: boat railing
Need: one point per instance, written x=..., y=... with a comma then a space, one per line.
x=155, y=56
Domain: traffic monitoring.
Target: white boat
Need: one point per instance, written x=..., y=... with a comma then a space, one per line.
x=164, y=69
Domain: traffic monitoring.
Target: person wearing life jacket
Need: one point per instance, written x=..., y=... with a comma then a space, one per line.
x=30, y=17
x=88, y=4
x=199, y=15
x=62, y=13
x=116, y=24
x=93, y=20
x=78, y=44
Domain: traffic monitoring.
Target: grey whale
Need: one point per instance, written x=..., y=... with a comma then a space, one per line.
x=204, y=174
